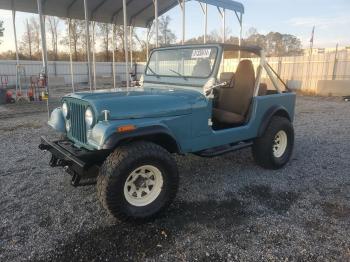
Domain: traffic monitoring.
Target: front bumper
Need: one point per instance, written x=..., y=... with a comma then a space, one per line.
x=78, y=160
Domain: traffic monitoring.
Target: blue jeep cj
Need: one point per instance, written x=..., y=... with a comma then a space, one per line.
x=190, y=101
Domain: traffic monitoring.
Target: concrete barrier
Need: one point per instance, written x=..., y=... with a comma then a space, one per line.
x=333, y=88
x=294, y=85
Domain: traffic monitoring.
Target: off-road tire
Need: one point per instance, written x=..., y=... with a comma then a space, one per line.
x=119, y=165
x=263, y=146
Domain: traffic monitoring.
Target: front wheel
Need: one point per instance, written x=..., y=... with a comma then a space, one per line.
x=274, y=148
x=137, y=181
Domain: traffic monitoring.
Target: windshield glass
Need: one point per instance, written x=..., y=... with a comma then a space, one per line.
x=187, y=62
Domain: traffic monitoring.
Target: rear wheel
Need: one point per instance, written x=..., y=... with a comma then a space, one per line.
x=274, y=149
x=137, y=181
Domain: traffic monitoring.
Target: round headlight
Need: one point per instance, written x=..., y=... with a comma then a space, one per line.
x=68, y=125
x=89, y=117
x=65, y=109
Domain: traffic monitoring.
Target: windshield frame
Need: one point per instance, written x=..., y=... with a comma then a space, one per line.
x=213, y=68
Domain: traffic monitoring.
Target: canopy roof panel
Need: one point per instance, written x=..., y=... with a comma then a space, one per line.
x=140, y=12
x=227, y=4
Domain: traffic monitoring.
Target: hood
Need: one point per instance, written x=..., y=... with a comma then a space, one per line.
x=141, y=102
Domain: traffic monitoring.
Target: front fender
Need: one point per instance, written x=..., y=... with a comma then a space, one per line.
x=116, y=138
x=105, y=136
x=57, y=121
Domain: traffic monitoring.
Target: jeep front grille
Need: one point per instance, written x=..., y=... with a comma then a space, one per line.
x=77, y=118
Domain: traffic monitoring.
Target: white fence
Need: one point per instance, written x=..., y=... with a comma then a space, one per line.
x=308, y=70
x=62, y=69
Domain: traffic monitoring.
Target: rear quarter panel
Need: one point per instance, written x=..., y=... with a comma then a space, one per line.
x=205, y=137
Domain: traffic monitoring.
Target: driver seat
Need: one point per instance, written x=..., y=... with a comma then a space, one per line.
x=234, y=102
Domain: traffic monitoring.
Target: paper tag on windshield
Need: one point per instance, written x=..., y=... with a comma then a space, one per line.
x=201, y=53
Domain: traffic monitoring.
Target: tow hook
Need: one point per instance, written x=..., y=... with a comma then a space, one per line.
x=44, y=147
x=61, y=162
x=53, y=161
x=75, y=179
x=75, y=176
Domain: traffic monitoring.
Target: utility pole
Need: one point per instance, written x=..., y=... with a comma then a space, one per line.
x=334, y=74
x=309, y=74
x=312, y=40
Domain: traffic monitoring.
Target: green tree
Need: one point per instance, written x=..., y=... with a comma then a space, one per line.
x=275, y=43
x=53, y=25
x=30, y=44
x=166, y=36
x=77, y=28
x=105, y=32
x=26, y=46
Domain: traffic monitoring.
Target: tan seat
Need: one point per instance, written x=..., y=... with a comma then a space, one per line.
x=233, y=103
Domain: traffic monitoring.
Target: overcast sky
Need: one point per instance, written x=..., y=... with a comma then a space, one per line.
x=297, y=17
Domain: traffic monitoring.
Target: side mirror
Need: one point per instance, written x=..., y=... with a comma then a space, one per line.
x=210, y=90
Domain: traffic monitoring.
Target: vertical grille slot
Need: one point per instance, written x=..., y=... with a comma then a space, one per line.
x=77, y=117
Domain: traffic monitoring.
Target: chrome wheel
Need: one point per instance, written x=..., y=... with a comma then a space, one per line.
x=143, y=185
x=280, y=143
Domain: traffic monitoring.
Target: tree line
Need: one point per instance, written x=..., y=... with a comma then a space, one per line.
x=275, y=44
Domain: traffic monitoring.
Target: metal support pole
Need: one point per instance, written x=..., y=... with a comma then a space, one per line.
x=241, y=30
x=240, y=20
x=205, y=13
x=156, y=22
x=113, y=54
x=131, y=45
x=87, y=38
x=44, y=53
x=183, y=21
x=16, y=46
x=223, y=17
x=224, y=25
x=94, y=54
x=70, y=53
x=206, y=24
x=334, y=73
x=126, y=44
x=147, y=44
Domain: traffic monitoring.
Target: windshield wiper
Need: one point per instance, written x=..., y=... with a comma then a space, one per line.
x=179, y=74
x=154, y=73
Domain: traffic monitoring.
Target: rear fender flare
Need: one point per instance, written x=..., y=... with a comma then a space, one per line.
x=273, y=111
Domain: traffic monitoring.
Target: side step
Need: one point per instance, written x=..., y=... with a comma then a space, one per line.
x=221, y=150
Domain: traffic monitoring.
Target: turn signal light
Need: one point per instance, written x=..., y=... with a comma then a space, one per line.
x=126, y=128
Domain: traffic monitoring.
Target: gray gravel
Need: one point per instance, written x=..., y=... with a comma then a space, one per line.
x=227, y=208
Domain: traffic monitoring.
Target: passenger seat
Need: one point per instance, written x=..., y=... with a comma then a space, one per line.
x=233, y=103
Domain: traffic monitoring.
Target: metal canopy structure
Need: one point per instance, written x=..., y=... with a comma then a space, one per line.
x=132, y=13
x=140, y=12
x=226, y=4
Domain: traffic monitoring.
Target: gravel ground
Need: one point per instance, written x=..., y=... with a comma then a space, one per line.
x=227, y=208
